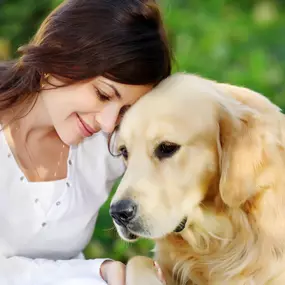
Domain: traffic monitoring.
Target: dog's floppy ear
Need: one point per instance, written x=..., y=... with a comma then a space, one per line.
x=241, y=151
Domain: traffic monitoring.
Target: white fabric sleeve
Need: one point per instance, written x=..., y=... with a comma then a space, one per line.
x=116, y=169
x=25, y=271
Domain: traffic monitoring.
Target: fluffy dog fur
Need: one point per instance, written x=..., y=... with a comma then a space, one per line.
x=227, y=178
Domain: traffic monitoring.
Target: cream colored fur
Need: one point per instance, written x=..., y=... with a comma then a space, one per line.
x=228, y=178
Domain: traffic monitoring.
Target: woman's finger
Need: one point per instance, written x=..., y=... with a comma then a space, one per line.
x=159, y=272
x=116, y=274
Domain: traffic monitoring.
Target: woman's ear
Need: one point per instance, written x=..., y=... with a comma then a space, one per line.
x=241, y=152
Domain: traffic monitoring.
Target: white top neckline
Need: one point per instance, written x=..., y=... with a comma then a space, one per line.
x=45, y=225
x=71, y=151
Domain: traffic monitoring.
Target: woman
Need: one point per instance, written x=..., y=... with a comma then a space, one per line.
x=88, y=63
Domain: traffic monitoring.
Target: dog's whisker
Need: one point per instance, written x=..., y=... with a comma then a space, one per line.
x=113, y=228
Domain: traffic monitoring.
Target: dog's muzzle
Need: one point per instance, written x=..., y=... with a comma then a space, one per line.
x=123, y=212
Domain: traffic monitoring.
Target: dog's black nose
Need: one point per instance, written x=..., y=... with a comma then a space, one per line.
x=123, y=211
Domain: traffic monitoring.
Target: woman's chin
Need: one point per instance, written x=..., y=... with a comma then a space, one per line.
x=75, y=142
x=70, y=140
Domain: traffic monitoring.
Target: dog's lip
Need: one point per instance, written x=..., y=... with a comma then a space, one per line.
x=181, y=225
x=128, y=234
x=132, y=236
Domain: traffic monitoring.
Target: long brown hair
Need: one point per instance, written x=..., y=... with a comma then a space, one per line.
x=123, y=40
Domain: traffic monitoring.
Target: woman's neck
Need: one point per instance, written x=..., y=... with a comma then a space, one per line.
x=30, y=119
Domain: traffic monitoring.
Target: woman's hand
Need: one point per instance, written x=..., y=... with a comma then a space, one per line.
x=113, y=272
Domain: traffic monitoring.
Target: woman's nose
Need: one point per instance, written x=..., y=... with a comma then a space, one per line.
x=108, y=118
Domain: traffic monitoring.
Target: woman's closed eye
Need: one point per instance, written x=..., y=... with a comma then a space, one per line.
x=101, y=95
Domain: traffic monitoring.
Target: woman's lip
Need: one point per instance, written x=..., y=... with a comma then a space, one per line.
x=86, y=129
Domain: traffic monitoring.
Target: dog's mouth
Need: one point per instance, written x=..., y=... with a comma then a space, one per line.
x=181, y=225
x=135, y=233
x=127, y=234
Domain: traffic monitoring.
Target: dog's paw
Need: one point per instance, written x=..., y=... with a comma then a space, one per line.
x=143, y=270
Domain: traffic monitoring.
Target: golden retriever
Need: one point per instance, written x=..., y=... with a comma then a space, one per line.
x=205, y=179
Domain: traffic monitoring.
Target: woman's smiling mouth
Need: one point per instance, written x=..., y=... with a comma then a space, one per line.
x=85, y=129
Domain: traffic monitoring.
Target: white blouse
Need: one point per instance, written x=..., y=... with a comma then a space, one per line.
x=44, y=226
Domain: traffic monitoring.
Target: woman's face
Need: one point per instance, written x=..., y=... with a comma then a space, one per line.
x=78, y=111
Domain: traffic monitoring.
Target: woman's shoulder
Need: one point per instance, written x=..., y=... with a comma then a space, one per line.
x=94, y=152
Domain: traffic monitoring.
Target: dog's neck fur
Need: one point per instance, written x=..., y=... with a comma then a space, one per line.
x=228, y=245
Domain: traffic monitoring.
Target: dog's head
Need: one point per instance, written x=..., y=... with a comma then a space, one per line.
x=187, y=141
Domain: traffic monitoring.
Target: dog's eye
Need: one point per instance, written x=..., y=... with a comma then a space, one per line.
x=124, y=152
x=166, y=149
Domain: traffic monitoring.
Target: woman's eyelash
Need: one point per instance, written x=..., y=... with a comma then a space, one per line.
x=102, y=96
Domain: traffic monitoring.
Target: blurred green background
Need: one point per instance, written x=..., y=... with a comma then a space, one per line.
x=237, y=41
